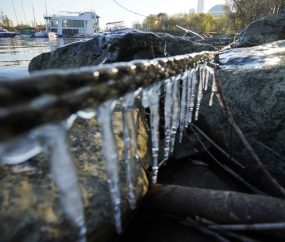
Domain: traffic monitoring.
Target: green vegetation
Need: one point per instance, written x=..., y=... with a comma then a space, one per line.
x=201, y=23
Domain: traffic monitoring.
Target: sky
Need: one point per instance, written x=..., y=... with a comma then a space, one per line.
x=108, y=10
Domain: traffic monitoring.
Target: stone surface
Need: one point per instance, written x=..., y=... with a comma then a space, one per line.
x=262, y=31
x=30, y=208
x=115, y=47
x=253, y=84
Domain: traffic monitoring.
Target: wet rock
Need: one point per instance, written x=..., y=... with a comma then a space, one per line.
x=252, y=81
x=30, y=208
x=262, y=31
x=115, y=47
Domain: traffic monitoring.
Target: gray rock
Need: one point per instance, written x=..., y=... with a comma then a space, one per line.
x=262, y=31
x=253, y=83
x=30, y=208
x=115, y=47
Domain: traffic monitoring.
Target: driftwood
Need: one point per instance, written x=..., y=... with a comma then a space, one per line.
x=223, y=207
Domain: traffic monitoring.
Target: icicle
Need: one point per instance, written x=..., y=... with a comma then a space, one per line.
x=193, y=93
x=206, y=78
x=154, y=122
x=55, y=144
x=168, y=106
x=159, y=88
x=175, y=110
x=130, y=143
x=211, y=70
x=110, y=153
x=199, y=94
x=183, y=104
x=145, y=97
x=189, y=89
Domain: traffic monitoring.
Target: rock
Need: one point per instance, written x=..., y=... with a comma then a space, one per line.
x=252, y=80
x=115, y=47
x=262, y=31
x=30, y=208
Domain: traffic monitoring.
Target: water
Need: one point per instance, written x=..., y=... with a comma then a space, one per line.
x=16, y=53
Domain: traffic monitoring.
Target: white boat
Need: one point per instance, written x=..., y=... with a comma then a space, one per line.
x=82, y=24
x=52, y=35
x=40, y=34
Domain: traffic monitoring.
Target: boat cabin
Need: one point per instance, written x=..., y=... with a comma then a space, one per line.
x=83, y=23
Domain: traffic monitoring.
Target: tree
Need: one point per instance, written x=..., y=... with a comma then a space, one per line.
x=243, y=12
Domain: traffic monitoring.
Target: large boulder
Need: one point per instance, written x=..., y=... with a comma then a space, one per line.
x=30, y=208
x=262, y=31
x=253, y=82
x=115, y=47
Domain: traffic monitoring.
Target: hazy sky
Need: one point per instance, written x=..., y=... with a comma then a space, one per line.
x=107, y=9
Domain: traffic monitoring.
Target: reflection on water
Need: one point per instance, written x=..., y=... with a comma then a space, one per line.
x=16, y=53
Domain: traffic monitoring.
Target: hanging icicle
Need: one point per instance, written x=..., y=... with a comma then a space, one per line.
x=154, y=123
x=130, y=142
x=168, y=106
x=110, y=153
x=183, y=104
x=200, y=92
x=211, y=70
x=55, y=144
x=188, y=94
x=176, y=110
x=206, y=77
x=193, y=93
x=145, y=97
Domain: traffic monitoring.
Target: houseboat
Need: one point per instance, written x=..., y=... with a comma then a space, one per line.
x=4, y=33
x=76, y=24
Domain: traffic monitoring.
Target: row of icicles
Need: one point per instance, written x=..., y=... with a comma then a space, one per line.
x=52, y=139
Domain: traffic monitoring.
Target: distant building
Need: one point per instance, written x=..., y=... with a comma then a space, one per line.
x=217, y=10
x=192, y=10
x=201, y=4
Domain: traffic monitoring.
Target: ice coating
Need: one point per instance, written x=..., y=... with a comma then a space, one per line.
x=175, y=110
x=55, y=144
x=184, y=78
x=110, y=153
x=154, y=123
x=130, y=142
x=168, y=106
x=206, y=78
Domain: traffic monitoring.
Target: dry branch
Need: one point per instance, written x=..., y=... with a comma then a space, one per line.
x=231, y=120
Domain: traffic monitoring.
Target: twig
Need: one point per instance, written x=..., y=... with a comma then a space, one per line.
x=218, y=147
x=230, y=145
x=152, y=49
x=237, y=237
x=192, y=223
x=231, y=120
x=248, y=227
x=224, y=167
x=161, y=163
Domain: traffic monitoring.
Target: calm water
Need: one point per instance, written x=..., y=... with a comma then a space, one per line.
x=16, y=54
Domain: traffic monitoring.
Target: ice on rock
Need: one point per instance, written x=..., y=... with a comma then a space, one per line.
x=175, y=110
x=55, y=144
x=168, y=106
x=184, y=78
x=110, y=153
x=130, y=142
x=154, y=123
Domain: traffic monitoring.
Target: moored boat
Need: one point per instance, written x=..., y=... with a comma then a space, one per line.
x=4, y=33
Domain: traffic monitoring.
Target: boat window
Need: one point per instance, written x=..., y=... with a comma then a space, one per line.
x=54, y=22
x=74, y=23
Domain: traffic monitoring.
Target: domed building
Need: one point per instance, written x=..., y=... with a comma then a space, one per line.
x=217, y=10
